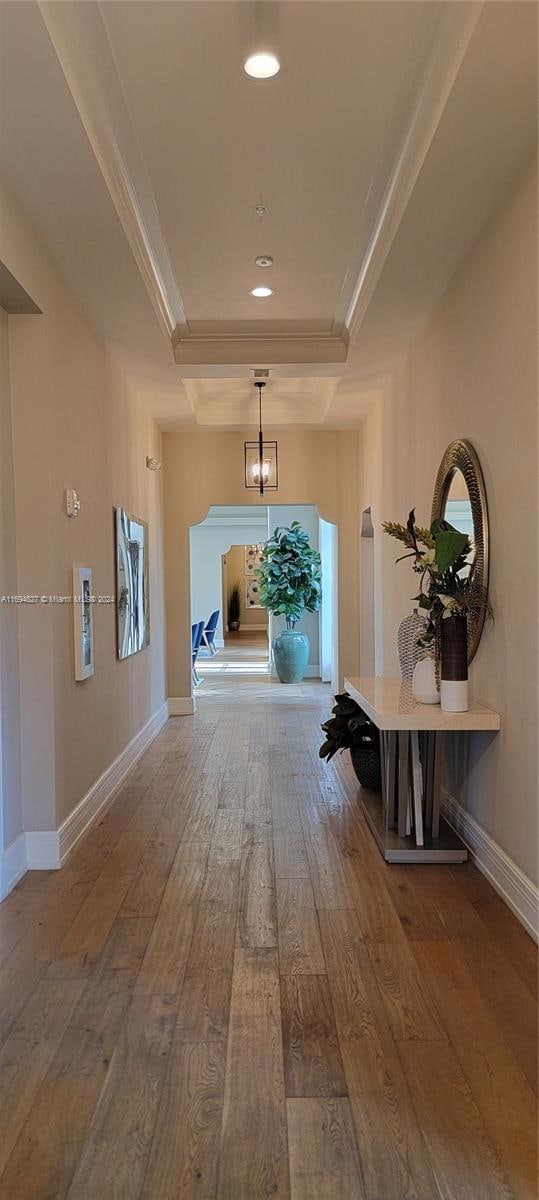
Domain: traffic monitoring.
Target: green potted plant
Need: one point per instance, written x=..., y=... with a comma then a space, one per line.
x=290, y=584
x=349, y=728
x=234, y=604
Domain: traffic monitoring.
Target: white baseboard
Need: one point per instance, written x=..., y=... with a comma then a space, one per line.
x=519, y=893
x=46, y=850
x=12, y=865
x=103, y=790
x=181, y=706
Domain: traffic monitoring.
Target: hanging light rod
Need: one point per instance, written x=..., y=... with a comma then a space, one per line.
x=259, y=383
x=261, y=456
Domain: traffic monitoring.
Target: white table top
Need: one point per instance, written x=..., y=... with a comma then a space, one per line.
x=390, y=705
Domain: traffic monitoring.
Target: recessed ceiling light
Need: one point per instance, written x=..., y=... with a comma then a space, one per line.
x=262, y=65
x=261, y=293
x=264, y=260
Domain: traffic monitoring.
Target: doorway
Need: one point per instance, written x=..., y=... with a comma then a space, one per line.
x=246, y=644
x=223, y=558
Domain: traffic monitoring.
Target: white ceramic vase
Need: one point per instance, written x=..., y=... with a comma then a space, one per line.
x=424, y=686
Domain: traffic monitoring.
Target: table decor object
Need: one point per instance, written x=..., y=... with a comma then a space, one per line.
x=440, y=556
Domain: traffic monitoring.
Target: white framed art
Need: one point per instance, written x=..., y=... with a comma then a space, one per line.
x=83, y=622
x=252, y=593
x=253, y=559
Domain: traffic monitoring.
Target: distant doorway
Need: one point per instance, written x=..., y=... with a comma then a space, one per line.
x=223, y=550
x=246, y=645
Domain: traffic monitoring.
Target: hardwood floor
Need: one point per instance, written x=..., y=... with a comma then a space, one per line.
x=227, y=994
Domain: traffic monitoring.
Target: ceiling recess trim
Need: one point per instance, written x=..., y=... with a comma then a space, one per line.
x=79, y=37
x=455, y=30
x=253, y=349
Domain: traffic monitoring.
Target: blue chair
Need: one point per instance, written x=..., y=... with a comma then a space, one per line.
x=208, y=635
x=196, y=637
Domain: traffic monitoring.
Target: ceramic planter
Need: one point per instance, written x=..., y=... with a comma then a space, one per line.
x=424, y=685
x=454, y=664
x=291, y=655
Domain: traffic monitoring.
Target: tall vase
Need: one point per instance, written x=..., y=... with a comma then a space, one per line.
x=291, y=655
x=409, y=652
x=454, y=663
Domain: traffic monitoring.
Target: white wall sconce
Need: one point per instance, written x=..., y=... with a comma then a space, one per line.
x=153, y=464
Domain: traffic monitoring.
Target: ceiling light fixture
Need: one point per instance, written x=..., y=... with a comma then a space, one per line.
x=262, y=65
x=261, y=457
x=261, y=293
x=264, y=260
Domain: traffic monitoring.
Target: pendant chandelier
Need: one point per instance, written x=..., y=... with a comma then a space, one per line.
x=261, y=457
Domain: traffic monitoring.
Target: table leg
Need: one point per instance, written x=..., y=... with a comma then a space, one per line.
x=391, y=743
x=384, y=765
x=417, y=787
x=404, y=753
x=436, y=783
x=429, y=776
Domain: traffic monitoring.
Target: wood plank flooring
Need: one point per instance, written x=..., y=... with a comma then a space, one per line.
x=227, y=994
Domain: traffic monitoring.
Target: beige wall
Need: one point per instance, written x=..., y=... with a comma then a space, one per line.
x=76, y=423
x=235, y=562
x=473, y=375
x=201, y=469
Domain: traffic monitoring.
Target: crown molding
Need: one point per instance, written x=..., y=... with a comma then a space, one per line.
x=441, y=65
x=79, y=37
x=253, y=349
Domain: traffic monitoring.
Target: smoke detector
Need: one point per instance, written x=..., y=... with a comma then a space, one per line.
x=264, y=260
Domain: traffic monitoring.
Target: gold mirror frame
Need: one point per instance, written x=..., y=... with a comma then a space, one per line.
x=461, y=456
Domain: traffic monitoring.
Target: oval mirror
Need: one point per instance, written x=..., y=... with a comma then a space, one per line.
x=459, y=497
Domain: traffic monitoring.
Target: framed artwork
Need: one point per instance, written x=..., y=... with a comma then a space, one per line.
x=83, y=622
x=252, y=559
x=132, y=584
x=252, y=593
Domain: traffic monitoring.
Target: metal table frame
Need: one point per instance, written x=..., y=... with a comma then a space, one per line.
x=406, y=820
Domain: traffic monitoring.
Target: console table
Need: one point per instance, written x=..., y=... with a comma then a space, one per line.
x=406, y=819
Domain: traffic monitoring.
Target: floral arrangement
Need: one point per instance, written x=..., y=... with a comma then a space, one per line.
x=440, y=556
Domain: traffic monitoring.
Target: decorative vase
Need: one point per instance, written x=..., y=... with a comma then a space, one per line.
x=291, y=655
x=454, y=663
x=424, y=683
x=410, y=629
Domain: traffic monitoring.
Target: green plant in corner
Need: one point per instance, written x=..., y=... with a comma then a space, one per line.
x=290, y=574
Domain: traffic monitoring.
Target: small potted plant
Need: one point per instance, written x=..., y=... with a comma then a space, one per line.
x=290, y=584
x=350, y=729
x=234, y=604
